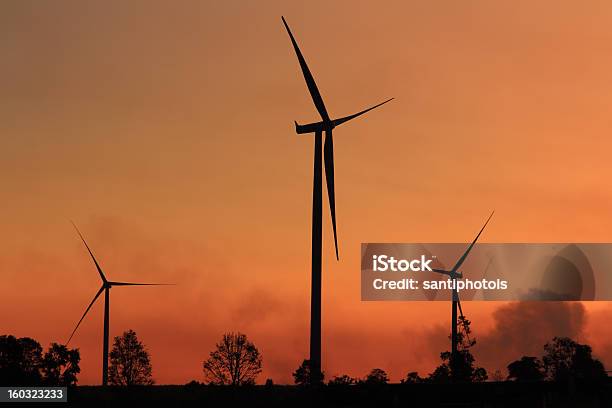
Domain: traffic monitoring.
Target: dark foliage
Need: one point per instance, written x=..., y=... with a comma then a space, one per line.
x=462, y=370
x=22, y=363
x=60, y=366
x=193, y=384
x=564, y=359
x=130, y=363
x=376, y=377
x=526, y=369
x=413, y=378
x=236, y=361
x=20, y=360
x=302, y=376
x=342, y=380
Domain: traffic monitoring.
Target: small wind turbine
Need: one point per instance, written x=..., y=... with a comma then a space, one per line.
x=106, y=286
x=326, y=125
x=454, y=274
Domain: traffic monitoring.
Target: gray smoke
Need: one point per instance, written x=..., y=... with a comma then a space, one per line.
x=522, y=329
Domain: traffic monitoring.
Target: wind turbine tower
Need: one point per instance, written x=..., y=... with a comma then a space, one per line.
x=325, y=125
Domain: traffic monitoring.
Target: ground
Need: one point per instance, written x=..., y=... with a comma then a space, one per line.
x=491, y=394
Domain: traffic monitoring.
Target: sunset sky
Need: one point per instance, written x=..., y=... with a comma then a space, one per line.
x=165, y=131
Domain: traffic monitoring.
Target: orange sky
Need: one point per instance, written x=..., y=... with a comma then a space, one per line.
x=166, y=132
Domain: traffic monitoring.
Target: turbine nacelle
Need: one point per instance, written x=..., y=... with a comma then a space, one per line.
x=328, y=125
x=451, y=274
x=316, y=127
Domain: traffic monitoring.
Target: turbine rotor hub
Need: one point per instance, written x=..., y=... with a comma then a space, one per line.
x=327, y=126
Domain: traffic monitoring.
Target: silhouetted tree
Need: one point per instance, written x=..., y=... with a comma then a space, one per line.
x=301, y=376
x=130, y=363
x=413, y=378
x=442, y=373
x=236, y=361
x=60, y=366
x=526, y=369
x=462, y=369
x=376, y=377
x=564, y=359
x=19, y=361
x=342, y=380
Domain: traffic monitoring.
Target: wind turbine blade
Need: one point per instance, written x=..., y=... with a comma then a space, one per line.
x=340, y=121
x=328, y=156
x=139, y=284
x=462, y=259
x=310, y=82
x=484, y=274
x=90, y=253
x=86, y=310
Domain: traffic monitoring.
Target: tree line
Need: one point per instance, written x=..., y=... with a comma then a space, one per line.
x=23, y=363
x=236, y=361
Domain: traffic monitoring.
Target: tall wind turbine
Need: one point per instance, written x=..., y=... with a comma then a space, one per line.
x=106, y=286
x=454, y=275
x=325, y=125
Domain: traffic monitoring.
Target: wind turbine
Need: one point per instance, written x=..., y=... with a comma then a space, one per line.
x=106, y=286
x=454, y=274
x=325, y=125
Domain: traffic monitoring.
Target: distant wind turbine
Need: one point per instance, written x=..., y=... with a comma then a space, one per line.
x=454, y=274
x=326, y=125
x=106, y=286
